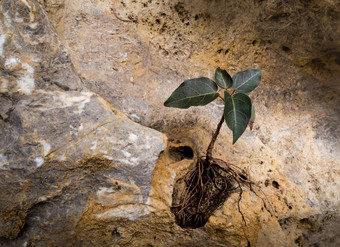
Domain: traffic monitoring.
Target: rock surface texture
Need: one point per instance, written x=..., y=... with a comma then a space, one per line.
x=89, y=155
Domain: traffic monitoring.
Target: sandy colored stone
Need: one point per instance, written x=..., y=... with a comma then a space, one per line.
x=133, y=54
x=61, y=144
x=152, y=46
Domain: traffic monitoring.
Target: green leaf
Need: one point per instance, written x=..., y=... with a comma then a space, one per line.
x=223, y=79
x=237, y=112
x=193, y=92
x=247, y=80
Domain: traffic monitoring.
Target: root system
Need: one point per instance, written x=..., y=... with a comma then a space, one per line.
x=199, y=193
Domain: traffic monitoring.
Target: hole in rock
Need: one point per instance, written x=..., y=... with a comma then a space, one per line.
x=181, y=153
x=275, y=184
x=115, y=233
x=266, y=183
x=285, y=48
x=305, y=221
x=299, y=241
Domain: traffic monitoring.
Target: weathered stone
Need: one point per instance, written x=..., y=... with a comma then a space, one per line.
x=134, y=54
x=54, y=141
x=60, y=146
x=31, y=54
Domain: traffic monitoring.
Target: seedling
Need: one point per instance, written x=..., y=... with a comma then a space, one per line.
x=213, y=180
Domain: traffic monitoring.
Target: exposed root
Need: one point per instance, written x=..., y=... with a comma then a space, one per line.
x=200, y=192
x=205, y=189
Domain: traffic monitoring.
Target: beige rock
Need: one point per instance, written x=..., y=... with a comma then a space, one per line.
x=61, y=146
x=134, y=54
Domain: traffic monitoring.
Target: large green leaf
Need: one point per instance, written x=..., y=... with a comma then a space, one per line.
x=194, y=92
x=247, y=80
x=223, y=79
x=237, y=112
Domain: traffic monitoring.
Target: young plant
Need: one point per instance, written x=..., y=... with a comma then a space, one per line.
x=212, y=180
x=238, y=110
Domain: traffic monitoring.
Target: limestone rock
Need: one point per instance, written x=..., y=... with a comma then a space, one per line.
x=79, y=173
x=32, y=56
x=60, y=146
x=147, y=48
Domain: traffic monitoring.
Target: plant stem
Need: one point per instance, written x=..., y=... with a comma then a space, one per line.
x=213, y=139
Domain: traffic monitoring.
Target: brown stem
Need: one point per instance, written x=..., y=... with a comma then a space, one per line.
x=212, y=142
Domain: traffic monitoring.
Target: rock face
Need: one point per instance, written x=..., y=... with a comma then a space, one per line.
x=83, y=161
x=60, y=144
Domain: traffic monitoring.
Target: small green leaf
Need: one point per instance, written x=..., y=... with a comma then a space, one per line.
x=223, y=79
x=247, y=80
x=193, y=92
x=237, y=112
